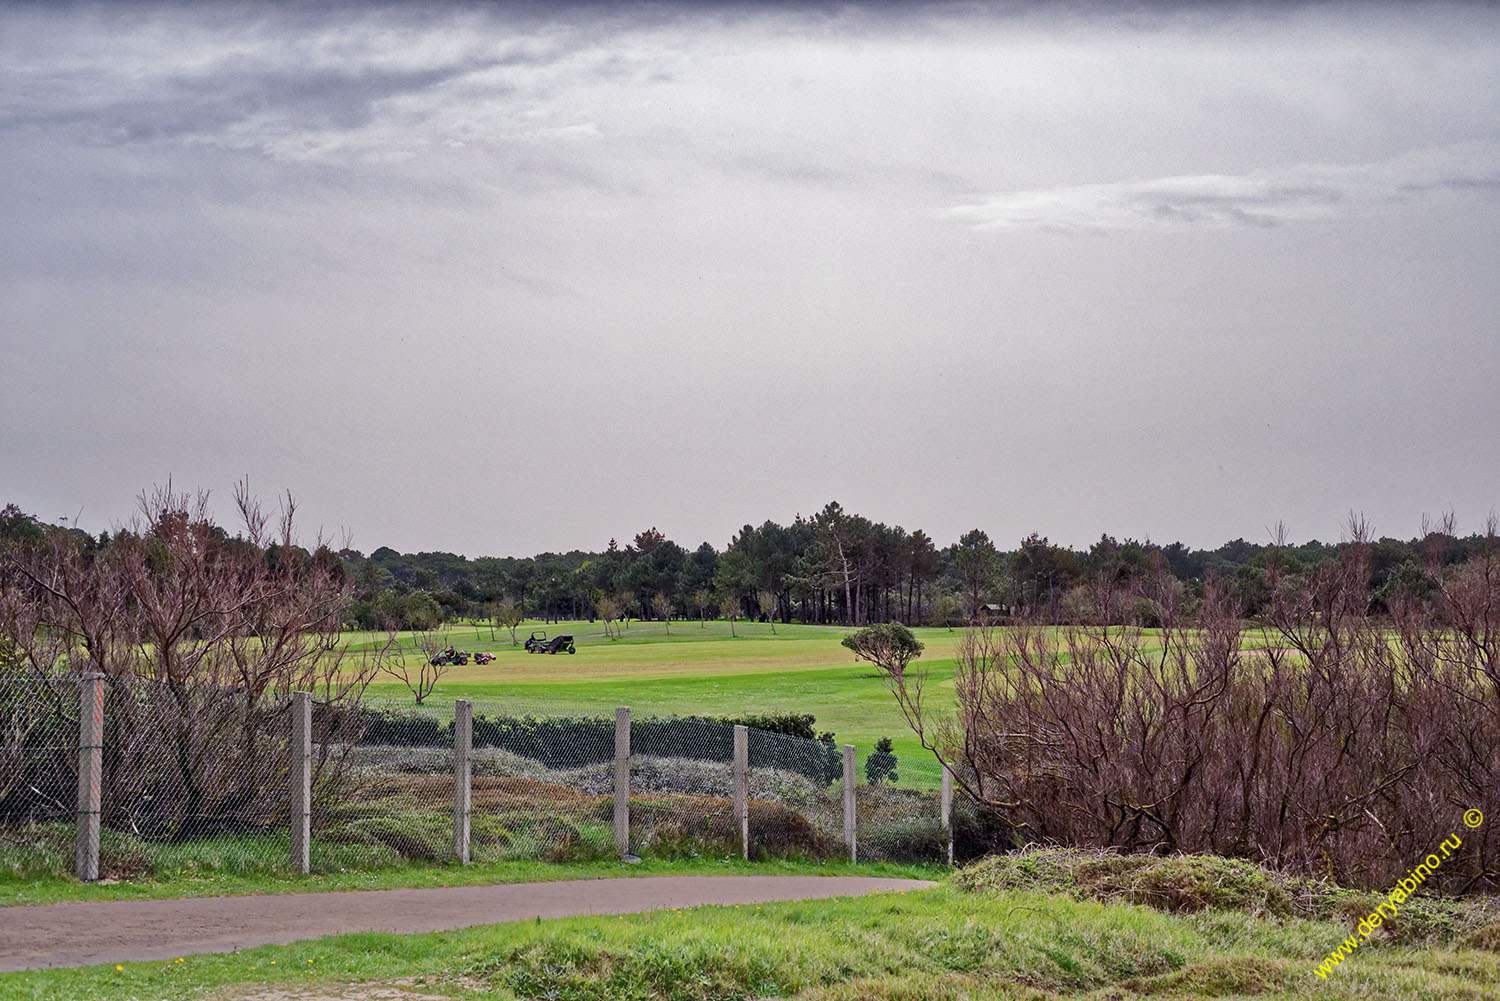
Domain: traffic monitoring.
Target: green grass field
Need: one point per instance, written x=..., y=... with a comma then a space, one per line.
x=700, y=669
x=697, y=669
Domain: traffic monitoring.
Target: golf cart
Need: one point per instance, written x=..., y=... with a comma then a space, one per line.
x=538, y=642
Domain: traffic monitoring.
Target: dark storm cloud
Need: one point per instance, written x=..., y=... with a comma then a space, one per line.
x=302, y=66
x=254, y=76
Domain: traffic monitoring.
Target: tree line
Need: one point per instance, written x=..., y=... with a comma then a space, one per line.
x=835, y=567
x=839, y=567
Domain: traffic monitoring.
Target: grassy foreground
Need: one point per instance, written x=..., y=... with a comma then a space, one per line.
x=946, y=943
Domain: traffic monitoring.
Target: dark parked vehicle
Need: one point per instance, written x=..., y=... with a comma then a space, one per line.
x=539, y=643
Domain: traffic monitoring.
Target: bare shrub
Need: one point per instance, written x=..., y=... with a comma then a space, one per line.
x=1349, y=747
x=421, y=677
x=202, y=638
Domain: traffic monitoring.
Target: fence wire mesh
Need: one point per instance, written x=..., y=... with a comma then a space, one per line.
x=38, y=772
x=191, y=778
x=386, y=792
x=194, y=777
x=898, y=822
x=682, y=787
x=197, y=778
x=541, y=785
x=796, y=796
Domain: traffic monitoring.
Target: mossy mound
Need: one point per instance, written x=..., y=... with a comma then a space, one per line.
x=419, y=837
x=1181, y=884
x=1417, y=919
x=1174, y=883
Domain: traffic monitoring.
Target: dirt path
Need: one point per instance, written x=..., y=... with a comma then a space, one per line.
x=81, y=934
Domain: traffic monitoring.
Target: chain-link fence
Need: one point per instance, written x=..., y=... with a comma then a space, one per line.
x=682, y=787
x=193, y=778
x=186, y=777
x=38, y=773
x=796, y=795
x=540, y=787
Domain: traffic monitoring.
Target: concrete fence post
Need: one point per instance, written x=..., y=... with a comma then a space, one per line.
x=463, y=771
x=90, y=775
x=742, y=786
x=299, y=780
x=849, y=782
x=622, y=780
x=947, y=808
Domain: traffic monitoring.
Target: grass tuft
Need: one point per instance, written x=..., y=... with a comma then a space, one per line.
x=1231, y=975
x=1484, y=937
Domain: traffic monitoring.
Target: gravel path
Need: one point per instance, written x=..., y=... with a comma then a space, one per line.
x=82, y=934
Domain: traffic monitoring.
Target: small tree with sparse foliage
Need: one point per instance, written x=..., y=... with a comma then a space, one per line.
x=422, y=677
x=948, y=608
x=767, y=602
x=890, y=646
x=608, y=610
x=729, y=604
x=510, y=615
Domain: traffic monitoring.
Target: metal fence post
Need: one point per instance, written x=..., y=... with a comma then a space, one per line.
x=622, y=780
x=849, y=780
x=742, y=786
x=947, y=807
x=90, y=775
x=463, y=769
x=299, y=778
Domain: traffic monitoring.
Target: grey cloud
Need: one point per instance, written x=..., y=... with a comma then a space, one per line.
x=207, y=103
x=789, y=170
x=1263, y=197
x=233, y=77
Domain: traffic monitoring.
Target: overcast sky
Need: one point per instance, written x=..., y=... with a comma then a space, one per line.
x=506, y=279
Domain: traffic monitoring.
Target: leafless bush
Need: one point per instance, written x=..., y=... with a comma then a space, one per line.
x=422, y=677
x=202, y=637
x=1344, y=744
